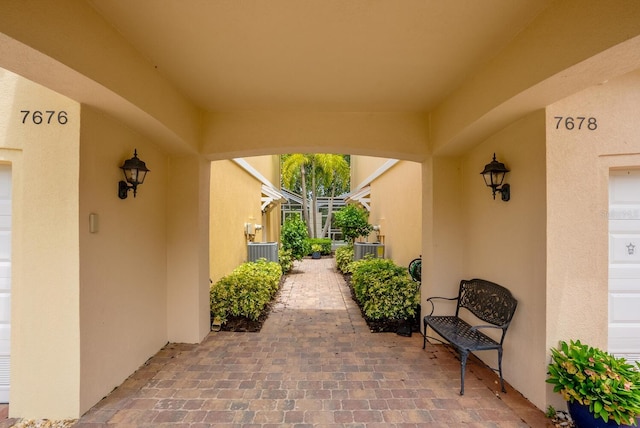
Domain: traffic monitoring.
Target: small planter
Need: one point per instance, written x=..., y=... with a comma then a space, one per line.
x=316, y=251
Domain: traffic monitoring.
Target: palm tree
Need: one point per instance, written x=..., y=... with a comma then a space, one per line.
x=336, y=174
x=330, y=170
x=293, y=171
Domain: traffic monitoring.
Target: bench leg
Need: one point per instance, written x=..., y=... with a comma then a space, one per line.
x=463, y=365
x=500, y=369
x=424, y=335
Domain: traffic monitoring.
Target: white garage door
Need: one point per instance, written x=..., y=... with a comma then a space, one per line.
x=5, y=280
x=624, y=264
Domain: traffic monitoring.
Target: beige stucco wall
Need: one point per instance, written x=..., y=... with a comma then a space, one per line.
x=45, y=273
x=396, y=206
x=269, y=167
x=468, y=234
x=505, y=243
x=579, y=162
x=98, y=305
x=123, y=266
x=362, y=167
x=235, y=200
x=188, y=248
x=385, y=134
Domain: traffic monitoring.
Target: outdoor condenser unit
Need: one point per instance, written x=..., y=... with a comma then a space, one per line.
x=262, y=250
x=360, y=249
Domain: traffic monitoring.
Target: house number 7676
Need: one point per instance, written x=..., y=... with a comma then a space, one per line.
x=47, y=117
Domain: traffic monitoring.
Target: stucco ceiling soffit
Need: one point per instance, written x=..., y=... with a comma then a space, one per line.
x=566, y=49
x=69, y=48
x=317, y=55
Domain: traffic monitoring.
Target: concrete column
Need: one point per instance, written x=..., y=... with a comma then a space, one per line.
x=188, y=249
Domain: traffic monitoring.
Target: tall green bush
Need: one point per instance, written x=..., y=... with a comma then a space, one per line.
x=246, y=291
x=383, y=289
x=294, y=237
x=353, y=221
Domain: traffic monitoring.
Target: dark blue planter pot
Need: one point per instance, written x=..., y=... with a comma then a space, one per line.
x=583, y=418
x=315, y=255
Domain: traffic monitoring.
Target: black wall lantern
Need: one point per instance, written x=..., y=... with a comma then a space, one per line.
x=493, y=175
x=134, y=172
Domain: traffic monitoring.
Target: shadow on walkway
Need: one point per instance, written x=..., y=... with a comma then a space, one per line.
x=314, y=363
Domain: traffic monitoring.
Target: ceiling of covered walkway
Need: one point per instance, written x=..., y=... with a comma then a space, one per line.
x=439, y=74
x=334, y=55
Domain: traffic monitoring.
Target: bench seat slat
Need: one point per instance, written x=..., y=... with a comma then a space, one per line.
x=459, y=333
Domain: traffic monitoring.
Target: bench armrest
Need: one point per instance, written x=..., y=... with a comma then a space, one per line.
x=433, y=307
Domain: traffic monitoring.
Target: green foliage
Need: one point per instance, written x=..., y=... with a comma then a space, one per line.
x=323, y=243
x=286, y=260
x=353, y=221
x=246, y=291
x=344, y=256
x=294, y=237
x=383, y=289
x=551, y=412
x=610, y=386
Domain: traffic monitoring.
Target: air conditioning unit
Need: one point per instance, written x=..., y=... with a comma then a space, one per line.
x=361, y=249
x=262, y=250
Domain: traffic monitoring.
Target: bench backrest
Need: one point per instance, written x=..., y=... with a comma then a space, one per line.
x=488, y=301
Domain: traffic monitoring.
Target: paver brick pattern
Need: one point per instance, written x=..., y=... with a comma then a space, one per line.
x=314, y=364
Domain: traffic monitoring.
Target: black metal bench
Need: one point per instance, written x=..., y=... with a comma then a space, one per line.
x=488, y=302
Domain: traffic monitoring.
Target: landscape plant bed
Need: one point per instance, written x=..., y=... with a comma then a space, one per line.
x=381, y=325
x=243, y=324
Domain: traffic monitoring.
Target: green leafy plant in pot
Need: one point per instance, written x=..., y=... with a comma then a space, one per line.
x=590, y=378
x=316, y=250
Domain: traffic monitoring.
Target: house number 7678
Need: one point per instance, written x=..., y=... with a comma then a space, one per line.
x=580, y=122
x=47, y=117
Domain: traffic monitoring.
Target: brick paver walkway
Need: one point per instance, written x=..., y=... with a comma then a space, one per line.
x=314, y=364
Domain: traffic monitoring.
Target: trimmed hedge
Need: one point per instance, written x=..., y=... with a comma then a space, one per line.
x=246, y=291
x=383, y=289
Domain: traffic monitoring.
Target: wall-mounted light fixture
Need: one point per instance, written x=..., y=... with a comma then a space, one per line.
x=134, y=171
x=493, y=175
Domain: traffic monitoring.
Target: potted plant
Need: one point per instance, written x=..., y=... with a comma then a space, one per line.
x=601, y=390
x=315, y=251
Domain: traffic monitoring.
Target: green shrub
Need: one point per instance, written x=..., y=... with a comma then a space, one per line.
x=286, y=260
x=246, y=291
x=324, y=243
x=383, y=289
x=344, y=256
x=353, y=221
x=294, y=237
x=608, y=385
